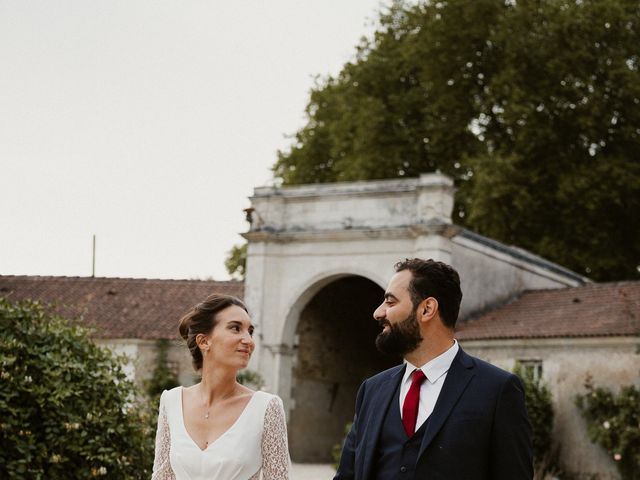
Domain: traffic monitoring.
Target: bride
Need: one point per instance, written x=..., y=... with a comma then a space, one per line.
x=219, y=429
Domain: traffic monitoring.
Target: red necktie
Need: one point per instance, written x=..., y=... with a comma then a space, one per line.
x=411, y=401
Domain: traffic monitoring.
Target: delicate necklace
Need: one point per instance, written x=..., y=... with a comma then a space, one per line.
x=204, y=401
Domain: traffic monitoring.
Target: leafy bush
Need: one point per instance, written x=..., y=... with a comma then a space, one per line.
x=613, y=421
x=162, y=377
x=66, y=406
x=336, y=451
x=251, y=379
x=540, y=409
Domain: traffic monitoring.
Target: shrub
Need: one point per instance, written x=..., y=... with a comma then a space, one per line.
x=540, y=410
x=613, y=421
x=336, y=451
x=162, y=378
x=251, y=379
x=66, y=406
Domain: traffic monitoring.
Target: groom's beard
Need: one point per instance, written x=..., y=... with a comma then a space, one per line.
x=401, y=338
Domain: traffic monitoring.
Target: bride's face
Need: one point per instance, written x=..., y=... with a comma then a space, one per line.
x=231, y=342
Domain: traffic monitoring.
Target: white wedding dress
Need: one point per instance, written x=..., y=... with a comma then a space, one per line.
x=254, y=447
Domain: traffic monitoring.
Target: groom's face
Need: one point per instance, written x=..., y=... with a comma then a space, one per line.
x=397, y=317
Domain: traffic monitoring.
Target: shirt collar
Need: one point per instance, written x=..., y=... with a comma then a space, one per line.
x=436, y=367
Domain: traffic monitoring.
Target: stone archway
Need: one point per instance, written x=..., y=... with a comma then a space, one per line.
x=335, y=352
x=312, y=255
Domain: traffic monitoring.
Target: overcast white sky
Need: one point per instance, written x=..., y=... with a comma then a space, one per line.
x=149, y=123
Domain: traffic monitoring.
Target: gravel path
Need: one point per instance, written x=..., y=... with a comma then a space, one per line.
x=311, y=471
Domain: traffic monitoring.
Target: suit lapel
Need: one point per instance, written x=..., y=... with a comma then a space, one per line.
x=380, y=404
x=458, y=377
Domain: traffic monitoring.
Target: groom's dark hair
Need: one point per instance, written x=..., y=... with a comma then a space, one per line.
x=434, y=279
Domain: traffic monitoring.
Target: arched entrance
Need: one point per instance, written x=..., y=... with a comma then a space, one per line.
x=335, y=352
x=317, y=259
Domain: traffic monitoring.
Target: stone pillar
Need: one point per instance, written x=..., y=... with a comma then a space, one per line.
x=435, y=199
x=279, y=378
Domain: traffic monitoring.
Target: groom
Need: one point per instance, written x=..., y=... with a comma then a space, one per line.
x=442, y=415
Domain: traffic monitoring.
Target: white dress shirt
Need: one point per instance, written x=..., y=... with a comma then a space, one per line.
x=436, y=372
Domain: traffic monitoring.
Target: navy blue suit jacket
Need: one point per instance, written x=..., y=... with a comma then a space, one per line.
x=479, y=429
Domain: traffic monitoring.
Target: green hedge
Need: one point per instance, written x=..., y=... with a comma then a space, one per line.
x=66, y=407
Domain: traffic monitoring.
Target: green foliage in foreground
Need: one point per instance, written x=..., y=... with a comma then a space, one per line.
x=66, y=406
x=532, y=107
x=540, y=410
x=613, y=421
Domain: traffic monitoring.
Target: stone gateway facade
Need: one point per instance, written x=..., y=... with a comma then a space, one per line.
x=319, y=258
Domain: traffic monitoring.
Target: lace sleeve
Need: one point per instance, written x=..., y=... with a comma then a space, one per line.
x=161, y=465
x=275, y=450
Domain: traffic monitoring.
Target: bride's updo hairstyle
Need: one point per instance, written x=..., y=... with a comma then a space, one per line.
x=202, y=319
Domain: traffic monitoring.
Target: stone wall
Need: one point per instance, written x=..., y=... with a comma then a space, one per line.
x=491, y=273
x=142, y=355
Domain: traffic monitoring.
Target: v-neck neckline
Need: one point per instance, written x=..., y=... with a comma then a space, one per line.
x=184, y=425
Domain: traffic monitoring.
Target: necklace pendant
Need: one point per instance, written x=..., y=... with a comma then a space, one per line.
x=206, y=416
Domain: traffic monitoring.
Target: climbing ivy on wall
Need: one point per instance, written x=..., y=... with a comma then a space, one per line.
x=613, y=422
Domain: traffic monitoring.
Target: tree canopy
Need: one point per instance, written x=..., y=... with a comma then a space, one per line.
x=532, y=107
x=236, y=261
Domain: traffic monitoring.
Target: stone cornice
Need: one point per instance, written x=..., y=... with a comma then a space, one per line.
x=350, y=234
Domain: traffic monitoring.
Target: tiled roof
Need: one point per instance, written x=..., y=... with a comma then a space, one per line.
x=594, y=309
x=118, y=307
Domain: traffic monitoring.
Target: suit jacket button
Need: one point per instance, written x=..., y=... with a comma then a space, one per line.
x=403, y=469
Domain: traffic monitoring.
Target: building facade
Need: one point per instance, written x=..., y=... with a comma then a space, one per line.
x=319, y=257
x=569, y=337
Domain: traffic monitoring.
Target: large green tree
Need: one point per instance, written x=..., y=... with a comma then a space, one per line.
x=533, y=107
